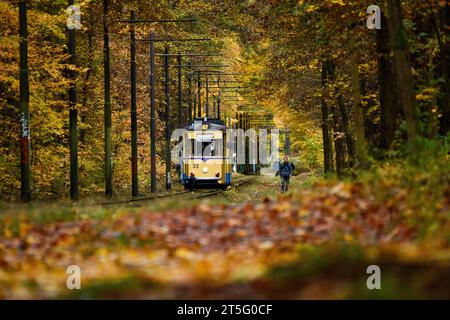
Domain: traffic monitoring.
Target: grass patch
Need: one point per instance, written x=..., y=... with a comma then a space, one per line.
x=342, y=267
x=122, y=288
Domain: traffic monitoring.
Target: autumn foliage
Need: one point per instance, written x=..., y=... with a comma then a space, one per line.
x=369, y=117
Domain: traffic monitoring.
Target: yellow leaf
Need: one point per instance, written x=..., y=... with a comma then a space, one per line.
x=8, y=233
x=348, y=237
x=303, y=212
x=184, y=253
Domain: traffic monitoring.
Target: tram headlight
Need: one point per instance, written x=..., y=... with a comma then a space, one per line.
x=205, y=170
x=217, y=174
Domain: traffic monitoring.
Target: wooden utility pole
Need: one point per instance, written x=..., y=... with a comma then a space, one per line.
x=134, y=136
x=152, y=115
x=190, y=96
x=25, y=168
x=107, y=103
x=168, y=127
x=207, y=97
x=180, y=90
x=73, y=113
x=199, y=96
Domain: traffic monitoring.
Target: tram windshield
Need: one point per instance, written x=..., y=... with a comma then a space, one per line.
x=204, y=147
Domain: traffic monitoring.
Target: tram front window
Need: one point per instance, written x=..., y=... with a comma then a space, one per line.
x=206, y=148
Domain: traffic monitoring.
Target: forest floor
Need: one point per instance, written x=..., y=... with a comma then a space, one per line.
x=249, y=242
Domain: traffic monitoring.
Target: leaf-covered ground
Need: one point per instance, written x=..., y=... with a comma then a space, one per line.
x=315, y=242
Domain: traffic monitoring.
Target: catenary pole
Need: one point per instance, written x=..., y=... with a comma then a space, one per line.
x=189, y=97
x=199, y=95
x=107, y=103
x=168, y=127
x=151, y=41
x=180, y=90
x=73, y=113
x=152, y=116
x=25, y=144
x=134, y=148
x=207, y=97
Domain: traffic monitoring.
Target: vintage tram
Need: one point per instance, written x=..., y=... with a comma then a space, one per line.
x=205, y=158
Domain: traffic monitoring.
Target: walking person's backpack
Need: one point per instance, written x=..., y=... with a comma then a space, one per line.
x=285, y=170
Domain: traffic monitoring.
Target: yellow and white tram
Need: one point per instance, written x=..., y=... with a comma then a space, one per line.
x=205, y=160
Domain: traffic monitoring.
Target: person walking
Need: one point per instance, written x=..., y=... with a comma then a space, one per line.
x=285, y=171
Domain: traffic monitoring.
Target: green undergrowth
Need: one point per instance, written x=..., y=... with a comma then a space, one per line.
x=414, y=269
x=340, y=269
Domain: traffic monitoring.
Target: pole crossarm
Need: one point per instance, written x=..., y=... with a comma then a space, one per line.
x=230, y=92
x=235, y=90
x=174, y=40
x=230, y=87
x=214, y=73
x=198, y=66
x=221, y=95
x=189, y=55
x=158, y=21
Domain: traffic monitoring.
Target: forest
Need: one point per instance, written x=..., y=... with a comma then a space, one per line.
x=361, y=99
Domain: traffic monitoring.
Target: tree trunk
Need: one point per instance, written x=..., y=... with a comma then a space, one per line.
x=444, y=61
x=335, y=123
x=346, y=128
x=325, y=126
x=338, y=137
x=388, y=100
x=403, y=75
x=86, y=89
x=358, y=116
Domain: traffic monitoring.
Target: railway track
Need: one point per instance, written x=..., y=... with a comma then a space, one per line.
x=195, y=195
x=216, y=192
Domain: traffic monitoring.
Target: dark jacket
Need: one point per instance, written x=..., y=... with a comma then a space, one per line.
x=285, y=169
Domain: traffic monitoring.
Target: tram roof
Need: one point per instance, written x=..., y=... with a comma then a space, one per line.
x=213, y=124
